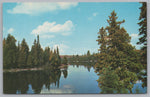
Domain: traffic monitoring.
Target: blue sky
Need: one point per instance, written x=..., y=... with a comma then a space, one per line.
x=71, y=26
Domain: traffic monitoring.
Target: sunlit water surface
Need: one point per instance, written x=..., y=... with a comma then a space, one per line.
x=73, y=80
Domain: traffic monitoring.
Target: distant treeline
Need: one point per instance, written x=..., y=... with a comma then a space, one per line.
x=86, y=58
x=19, y=56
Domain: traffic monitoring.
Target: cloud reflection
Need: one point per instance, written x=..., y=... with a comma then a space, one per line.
x=64, y=89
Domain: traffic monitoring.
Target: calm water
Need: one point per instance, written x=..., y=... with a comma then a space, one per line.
x=75, y=79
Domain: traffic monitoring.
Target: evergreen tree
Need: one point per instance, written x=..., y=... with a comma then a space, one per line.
x=55, y=60
x=18, y=52
x=108, y=81
x=123, y=58
x=30, y=60
x=46, y=55
x=102, y=40
x=51, y=57
x=65, y=61
x=120, y=55
x=143, y=40
x=23, y=54
x=9, y=52
x=88, y=56
x=59, y=59
x=36, y=54
x=143, y=25
x=39, y=52
x=19, y=56
x=4, y=52
x=88, y=53
x=102, y=56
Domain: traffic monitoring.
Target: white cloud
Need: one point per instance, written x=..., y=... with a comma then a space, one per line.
x=10, y=30
x=62, y=48
x=37, y=8
x=134, y=35
x=53, y=28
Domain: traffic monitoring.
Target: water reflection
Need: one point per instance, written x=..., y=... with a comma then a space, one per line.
x=30, y=81
x=48, y=81
x=87, y=65
x=72, y=79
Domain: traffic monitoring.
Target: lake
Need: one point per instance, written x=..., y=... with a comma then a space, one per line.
x=75, y=79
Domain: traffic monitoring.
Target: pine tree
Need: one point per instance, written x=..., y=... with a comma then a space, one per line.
x=46, y=55
x=23, y=54
x=55, y=60
x=143, y=33
x=39, y=52
x=102, y=56
x=120, y=55
x=36, y=54
x=143, y=25
x=4, y=52
x=143, y=40
x=31, y=61
x=10, y=52
x=88, y=56
x=18, y=52
x=59, y=59
x=88, y=53
x=123, y=56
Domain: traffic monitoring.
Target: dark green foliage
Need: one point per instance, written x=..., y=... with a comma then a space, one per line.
x=88, y=58
x=23, y=54
x=65, y=60
x=102, y=56
x=36, y=56
x=65, y=73
x=30, y=60
x=15, y=81
x=143, y=24
x=9, y=52
x=108, y=81
x=102, y=40
x=20, y=56
x=143, y=41
x=46, y=55
x=59, y=59
x=54, y=59
x=117, y=54
x=37, y=53
x=88, y=53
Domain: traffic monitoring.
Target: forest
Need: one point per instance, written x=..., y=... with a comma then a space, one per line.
x=20, y=57
x=118, y=63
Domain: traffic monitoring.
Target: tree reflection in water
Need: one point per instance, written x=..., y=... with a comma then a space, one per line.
x=52, y=81
x=24, y=82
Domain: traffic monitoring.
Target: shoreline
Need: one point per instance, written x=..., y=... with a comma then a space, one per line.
x=20, y=69
x=30, y=69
